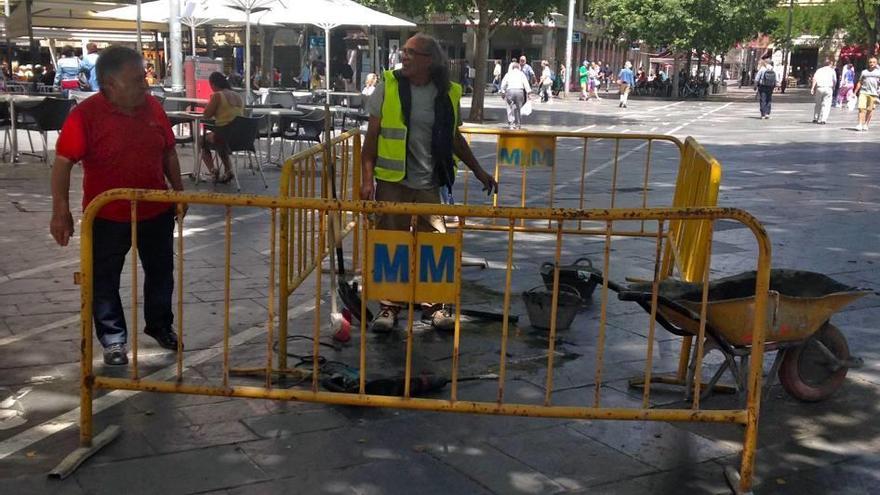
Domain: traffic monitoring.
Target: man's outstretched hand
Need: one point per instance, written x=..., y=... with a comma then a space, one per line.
x=490, y=185
x=61, y=227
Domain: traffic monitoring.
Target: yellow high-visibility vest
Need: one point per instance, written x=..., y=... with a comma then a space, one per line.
x=391, y=159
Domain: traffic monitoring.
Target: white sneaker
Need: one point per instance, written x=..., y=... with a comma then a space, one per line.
x=859, y=127
x=865, y=127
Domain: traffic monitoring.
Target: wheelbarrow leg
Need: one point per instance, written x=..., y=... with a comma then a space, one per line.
x=709, y=387
x=774, y=372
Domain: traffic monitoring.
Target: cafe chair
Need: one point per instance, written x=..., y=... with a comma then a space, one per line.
x=6, y=125
x=240, y=136
x=48, y=115
x=283, y=98
x=306, y=129
x=178, y=122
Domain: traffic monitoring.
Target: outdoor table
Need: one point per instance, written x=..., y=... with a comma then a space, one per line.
x=22, y=102
x=273, y=114
x=195, y=120
x=196, y=102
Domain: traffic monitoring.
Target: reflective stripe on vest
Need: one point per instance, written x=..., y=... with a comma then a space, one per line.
x=391, y=153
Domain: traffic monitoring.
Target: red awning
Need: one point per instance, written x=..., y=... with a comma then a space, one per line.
x=852, y=52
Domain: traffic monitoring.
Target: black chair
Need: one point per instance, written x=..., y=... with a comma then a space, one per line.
x=240, y=135
x=283, y=98
x=179, y=106
x=355, y=114
x=48, y=115
x=6, y=125
x=308, y=129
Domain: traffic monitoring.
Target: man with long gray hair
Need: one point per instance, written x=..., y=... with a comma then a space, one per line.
x=412, y=139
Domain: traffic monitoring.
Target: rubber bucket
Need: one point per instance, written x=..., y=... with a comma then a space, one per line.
x=576, y=276
x=539, y=305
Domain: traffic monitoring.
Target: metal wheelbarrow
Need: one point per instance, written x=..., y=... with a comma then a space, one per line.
x=813, y=356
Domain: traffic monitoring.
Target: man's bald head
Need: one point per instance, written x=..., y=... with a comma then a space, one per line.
x=91, y=47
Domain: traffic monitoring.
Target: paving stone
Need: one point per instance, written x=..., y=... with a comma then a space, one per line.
x=293, y=423
x=40, y=483
x=374, y=478
x=788, y=183
x=177, y=473
x=570, y=458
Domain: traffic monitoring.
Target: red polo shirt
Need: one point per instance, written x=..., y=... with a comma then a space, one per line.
x=118, y=150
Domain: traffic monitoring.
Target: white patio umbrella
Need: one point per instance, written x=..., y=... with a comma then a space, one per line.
x=329, y=14
x=193, y=14
x=250, y=7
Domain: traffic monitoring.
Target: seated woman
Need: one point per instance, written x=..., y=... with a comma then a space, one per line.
x=224, y=106
x=370, y=84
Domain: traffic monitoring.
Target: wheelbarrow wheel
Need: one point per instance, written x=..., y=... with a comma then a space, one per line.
x=807, y=373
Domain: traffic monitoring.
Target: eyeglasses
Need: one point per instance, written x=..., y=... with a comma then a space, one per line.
x=412, y=51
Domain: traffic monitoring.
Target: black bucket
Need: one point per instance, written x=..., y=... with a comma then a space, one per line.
x=576, y=276
x=539, y=305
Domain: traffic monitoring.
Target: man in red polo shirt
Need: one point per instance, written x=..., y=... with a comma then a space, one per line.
x=123, y=139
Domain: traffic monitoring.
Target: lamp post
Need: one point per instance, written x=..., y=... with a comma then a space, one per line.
x=569, y=33
x=175, y=46
x=140, y=45
x=787, y=51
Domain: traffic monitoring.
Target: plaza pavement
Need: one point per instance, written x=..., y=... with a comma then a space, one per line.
x=816, y=190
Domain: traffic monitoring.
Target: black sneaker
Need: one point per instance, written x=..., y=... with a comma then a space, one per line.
x=115, y=355
x=166, y=338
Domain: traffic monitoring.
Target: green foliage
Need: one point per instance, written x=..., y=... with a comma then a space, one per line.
x=824, y=20
x=711, y=25
x=502, y=11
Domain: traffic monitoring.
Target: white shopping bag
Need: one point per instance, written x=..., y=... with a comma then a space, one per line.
x=526, y=108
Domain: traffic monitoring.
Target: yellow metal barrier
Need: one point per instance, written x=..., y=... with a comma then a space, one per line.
x=697, y=177
x=300, y=254
x=324, y=210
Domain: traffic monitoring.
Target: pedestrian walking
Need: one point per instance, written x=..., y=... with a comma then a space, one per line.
x=594, y=80
x=411, y=139
x=625, y=82
x=822, y=89
x=867, y=89
x=546, y=82
x=89, y=62
x=847, y=82
x=496, y=77
x=584, y=79
x=123, y=139
x=528, y=71
x=605, y=70
x=515, y=90
x=765, y=82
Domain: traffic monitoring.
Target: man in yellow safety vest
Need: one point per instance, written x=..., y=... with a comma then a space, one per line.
x=409, y=147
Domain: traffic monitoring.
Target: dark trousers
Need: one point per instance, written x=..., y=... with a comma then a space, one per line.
x=112, y=241
x=765, y=97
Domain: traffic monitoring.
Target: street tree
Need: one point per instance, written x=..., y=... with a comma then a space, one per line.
x=857, y=21
x=487, y=16
x=684, y=25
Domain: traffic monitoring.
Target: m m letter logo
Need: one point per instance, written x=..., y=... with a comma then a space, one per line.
x=390, y=265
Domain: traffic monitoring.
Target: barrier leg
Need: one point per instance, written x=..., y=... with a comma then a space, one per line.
x=67, y=466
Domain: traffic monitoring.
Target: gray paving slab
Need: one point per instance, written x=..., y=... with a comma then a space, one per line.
x=815, y=189
x=177, y=473
x=570, y=458
x=374, y=478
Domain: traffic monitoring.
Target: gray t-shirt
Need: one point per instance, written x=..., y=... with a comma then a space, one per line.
x=419, y=163
x=870, y=80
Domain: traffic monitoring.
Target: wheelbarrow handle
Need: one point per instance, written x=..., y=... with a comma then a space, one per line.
x=644, y=298
x=596, y=276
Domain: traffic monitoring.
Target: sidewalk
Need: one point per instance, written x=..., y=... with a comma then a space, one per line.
x=820, y=217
